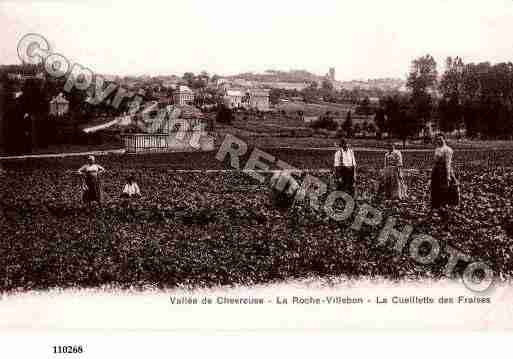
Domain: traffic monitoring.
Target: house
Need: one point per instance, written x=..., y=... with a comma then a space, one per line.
x=183, y=128
x=59, y=106
x=251, y=99
x=24, y=77
x=170, y=84
x=259, y=99
x=233, y=98
x=183, y=95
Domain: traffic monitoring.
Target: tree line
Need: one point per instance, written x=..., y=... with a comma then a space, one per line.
x=476, y=99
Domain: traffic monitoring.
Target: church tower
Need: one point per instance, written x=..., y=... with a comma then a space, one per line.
x=331, y=74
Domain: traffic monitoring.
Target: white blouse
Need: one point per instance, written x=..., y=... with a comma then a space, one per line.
x=443, y=156
x=91, y=169
x=345, y=158
x=132, y=189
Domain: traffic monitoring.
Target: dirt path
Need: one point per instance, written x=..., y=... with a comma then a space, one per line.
x=64, y=154
x=122, y=151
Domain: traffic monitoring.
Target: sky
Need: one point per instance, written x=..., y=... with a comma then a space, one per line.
x=362, y=39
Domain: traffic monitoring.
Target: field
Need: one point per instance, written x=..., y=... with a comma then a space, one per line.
x=198, y=228
x=321, y=141
x=289, y=125
x=315, y=109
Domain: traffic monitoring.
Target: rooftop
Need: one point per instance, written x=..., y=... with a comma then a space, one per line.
x=183, y=89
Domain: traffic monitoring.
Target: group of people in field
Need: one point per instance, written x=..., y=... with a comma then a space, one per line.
x=444, y=185
x=91, y=185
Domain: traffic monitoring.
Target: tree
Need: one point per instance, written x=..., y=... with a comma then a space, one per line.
x=399, y=112
x=370, y=127
x=327, y=85
x=422, y=82
x=379, y=120
x=274, y=96
x=347, y=126
x=310, y=93
x=481, y=98
x=215, y=78
x=357, y=128
x=364, y=107
x=188, y=77
x=224, y=115
x=451, y=88
x=423, y=75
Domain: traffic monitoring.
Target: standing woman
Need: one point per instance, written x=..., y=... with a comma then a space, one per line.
x=444, y=186
x=91, y=181
x=345, y=168
x=393, y=181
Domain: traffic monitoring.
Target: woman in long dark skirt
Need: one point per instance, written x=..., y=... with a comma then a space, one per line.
x=444, y=185
x=393, y=181
x=90, y=180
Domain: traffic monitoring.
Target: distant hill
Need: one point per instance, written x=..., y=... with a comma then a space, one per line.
x=300, y=76
x=385, y=84
x=303, y=76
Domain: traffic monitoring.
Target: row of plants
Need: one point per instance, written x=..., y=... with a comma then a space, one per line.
x=222, y=228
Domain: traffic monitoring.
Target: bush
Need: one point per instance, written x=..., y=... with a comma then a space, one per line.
x=224, y=115
x=326, y=123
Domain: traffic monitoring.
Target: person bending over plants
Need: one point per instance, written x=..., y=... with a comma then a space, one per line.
x=131, y=188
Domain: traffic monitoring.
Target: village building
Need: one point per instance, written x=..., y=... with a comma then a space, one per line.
x=183, y=128
x=233, y=98
x=183, y=95
x=259, y=99
x=170, y=84
x=59, y=106
x=24, y=77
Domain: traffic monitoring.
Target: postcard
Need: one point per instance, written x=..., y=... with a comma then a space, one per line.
x=268, y=167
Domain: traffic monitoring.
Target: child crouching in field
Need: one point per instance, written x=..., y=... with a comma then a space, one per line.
x=131, y=188
x=283, y=187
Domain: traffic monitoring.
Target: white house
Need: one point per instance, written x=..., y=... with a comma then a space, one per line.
x=59, y=106
x=233, y=98
x=259, y=99
x=183, y=95
x=253, y=98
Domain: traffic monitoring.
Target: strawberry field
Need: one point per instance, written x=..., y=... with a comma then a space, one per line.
x=208, y=228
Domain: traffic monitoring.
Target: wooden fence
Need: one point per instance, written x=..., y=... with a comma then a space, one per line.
x=142, y=142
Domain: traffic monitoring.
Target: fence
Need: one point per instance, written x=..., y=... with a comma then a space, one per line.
x=142, y=142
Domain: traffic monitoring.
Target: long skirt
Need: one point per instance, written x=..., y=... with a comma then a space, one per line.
x=345, y=179
x=443, y=192
x=393, y=183
x=92, y=189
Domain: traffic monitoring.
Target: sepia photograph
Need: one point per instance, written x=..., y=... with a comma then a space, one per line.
x=269, y=166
